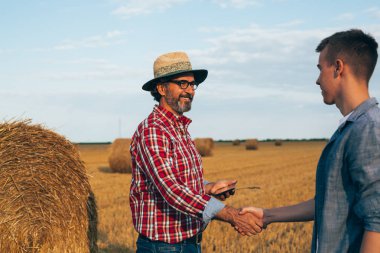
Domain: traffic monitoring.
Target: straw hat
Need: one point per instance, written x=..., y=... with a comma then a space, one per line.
x=172, y=64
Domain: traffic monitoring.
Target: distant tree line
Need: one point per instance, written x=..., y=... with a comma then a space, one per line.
x=285, y=140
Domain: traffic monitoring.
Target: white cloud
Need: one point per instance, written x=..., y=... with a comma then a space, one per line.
x=207, y=29
x=138, y=7
x=80, y=61
x=291, y=23
x=281, y=92
x=236, y=3
x=266, y=64
x=256, y=43
x=257, y=62
x=77, y=75
x=92, y=69
x=108, y=39
x=263, y=45
x=86, y=75
x=6, y=51
x=345, y=17
x=374, y=12
x=114, y=34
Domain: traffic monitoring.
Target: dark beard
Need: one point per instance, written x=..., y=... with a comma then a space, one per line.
x=175, y=104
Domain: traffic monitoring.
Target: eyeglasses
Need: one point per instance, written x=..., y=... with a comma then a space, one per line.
x=184, y=84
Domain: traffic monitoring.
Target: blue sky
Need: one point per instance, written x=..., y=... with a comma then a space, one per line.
x=77, y=67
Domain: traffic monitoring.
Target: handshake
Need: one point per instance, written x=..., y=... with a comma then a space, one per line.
x=247, y=221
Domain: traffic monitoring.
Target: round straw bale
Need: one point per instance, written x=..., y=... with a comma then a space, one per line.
x=251, y=144
x=204, y=146
x=236, y=142
x=120, y=157
x=210, y=142
x=46, y=202
x=278, y=143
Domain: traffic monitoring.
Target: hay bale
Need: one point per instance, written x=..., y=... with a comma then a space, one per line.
x=120, y=157
x=278, y=143
x=204, y=146
x=236, y=142
x=251, y=144
x=46, y=202
x=210, y=142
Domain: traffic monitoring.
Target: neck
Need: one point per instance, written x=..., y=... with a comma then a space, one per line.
x=353, y=95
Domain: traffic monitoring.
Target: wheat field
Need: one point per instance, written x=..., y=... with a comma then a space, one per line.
x=285, y=175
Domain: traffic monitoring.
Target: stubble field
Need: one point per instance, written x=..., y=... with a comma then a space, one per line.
x=285, y=174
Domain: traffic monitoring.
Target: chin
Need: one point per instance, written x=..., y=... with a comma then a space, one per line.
x=185, y=107
x=328, y=102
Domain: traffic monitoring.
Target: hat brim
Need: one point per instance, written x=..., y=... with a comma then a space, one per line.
x=199, y=76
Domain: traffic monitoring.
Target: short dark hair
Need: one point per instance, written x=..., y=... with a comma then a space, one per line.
x=156, y=95
x=355, y=48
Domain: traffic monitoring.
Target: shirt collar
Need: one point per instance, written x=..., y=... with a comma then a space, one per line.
x=344, y=119
x=171, y=117
x=358, y=111
x=362, y=108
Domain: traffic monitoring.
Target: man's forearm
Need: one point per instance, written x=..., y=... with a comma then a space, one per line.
x=227, y=214
x=303, y=211
x=371, y=242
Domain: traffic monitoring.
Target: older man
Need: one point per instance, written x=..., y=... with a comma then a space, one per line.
x=170, y=201
x=346, y=207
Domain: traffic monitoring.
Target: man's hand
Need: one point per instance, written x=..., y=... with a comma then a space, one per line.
x=257, y=212
x=248, y=223
x=216, y=187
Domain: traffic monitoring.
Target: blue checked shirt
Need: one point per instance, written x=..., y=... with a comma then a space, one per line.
x=347, y=199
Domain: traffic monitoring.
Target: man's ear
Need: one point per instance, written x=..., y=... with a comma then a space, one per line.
x=161, y=88
x=339, y=66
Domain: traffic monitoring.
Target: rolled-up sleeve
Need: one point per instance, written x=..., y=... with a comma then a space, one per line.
x=364, y=165
x=213, y=207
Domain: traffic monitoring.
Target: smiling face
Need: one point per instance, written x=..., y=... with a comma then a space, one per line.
x=174, y=98
x=327, y=79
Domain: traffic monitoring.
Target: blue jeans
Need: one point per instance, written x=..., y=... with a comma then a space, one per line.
x=145, y=245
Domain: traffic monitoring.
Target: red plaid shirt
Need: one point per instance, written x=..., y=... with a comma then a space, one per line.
x=167, y=195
